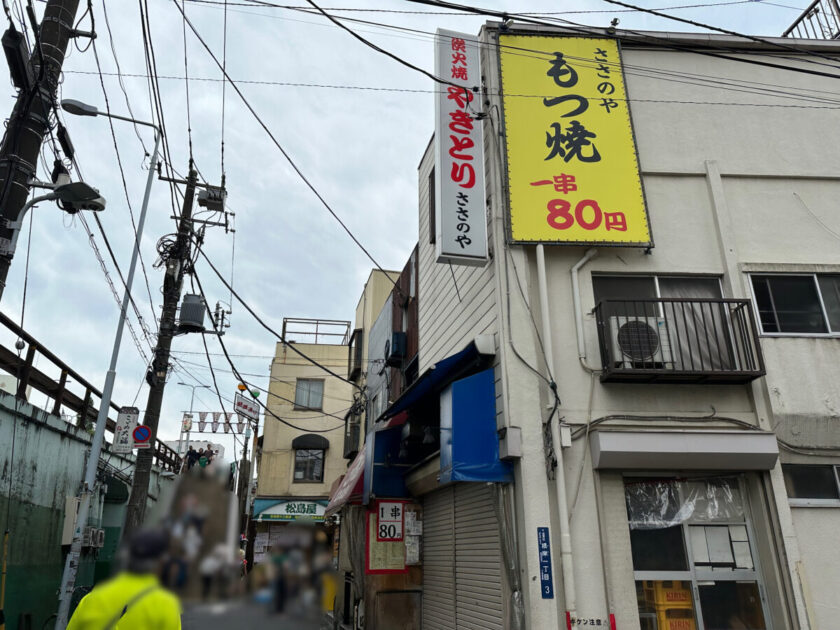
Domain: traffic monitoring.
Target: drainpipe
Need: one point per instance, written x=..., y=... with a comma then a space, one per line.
x=566, y=565
x=581, y=343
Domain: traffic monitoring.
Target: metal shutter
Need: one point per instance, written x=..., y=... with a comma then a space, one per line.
x=478, y=559
x=439, y=561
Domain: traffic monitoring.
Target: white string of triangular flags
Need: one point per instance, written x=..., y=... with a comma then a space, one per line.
x=222, y=418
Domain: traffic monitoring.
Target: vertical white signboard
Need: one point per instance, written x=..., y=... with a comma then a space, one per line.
x=460, y=216
x=123, y=433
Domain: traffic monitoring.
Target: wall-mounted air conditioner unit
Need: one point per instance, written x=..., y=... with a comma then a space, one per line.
x=100, y=538
x=395, y=349
x=640, y=343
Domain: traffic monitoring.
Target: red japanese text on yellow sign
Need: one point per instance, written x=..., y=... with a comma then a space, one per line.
x=572, y=165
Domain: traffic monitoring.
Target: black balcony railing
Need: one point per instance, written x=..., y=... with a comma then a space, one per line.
x=678, y=340
x=820, y=20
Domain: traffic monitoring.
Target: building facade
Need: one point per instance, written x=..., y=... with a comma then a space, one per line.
x=301, y=450
x=663, y=409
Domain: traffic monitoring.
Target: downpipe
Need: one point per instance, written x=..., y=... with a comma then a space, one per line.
x=566, y=559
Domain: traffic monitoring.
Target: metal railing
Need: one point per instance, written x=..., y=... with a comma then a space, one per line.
x=682, y=340
x=323, y=331
x=61, y=390
x=820, y=20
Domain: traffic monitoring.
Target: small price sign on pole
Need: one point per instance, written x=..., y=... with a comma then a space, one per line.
x=389, y=524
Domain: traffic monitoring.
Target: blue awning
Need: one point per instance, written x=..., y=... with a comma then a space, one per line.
x=443, y=373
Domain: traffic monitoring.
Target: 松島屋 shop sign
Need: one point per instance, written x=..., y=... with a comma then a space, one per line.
x=573, y=172
x=289, y=510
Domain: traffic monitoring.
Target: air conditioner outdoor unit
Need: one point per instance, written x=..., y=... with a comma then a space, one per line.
x=640, y=343
x=100, y=538
x=395, y=349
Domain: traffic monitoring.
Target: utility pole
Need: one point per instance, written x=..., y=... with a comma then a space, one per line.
x=176, y=264
x=29, y=122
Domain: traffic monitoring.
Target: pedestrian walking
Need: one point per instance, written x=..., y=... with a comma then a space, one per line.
x=134, y=599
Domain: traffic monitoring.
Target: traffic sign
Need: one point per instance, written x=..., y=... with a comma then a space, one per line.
x=142, y=435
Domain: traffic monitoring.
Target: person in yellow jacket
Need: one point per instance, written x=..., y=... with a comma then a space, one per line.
x=134, y=598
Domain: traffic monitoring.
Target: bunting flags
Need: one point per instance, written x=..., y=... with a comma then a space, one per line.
x=202, y=421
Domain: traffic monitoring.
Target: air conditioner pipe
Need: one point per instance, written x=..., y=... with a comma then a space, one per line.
x=581, y=342
x=566, y=562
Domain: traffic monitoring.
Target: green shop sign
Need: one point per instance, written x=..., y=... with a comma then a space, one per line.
x=289, y=510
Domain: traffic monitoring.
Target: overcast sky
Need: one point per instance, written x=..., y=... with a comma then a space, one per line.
x=359, y=147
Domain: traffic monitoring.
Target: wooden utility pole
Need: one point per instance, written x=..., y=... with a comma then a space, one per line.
x=176, y=262
x=29, y=123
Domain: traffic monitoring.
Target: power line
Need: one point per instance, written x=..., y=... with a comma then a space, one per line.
x=119, y=75
x=238, y=374
x=662, y=42
x=387, y=53
x=760, y=40
x=723, y=86
x=279, y=146
x=271, y=5
x=122, y=175
x=187, y=81
x=291, y=346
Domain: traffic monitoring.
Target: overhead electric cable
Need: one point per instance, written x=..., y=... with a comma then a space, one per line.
x=280, y=147
x=651, y=73
x=122, y=178
x=291, y=346
x=187, y=81
x=760, y=40
x=267, y=411
x=662, y=42
x=120, y=77
x=271, y=5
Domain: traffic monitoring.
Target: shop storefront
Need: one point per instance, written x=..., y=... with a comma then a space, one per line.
x=285, y=522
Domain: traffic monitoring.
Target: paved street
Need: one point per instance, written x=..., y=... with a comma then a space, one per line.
x=242, y=614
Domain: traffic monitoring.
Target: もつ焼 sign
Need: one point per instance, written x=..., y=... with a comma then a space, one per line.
x=573, y=171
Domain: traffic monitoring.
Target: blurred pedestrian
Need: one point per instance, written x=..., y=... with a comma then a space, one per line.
x=192, y=457
x=134, y=598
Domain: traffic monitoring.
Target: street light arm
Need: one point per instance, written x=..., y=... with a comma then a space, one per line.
x=133, y=120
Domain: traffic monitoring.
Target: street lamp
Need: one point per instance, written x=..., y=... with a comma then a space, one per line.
x=192, y=398
x=68, y=579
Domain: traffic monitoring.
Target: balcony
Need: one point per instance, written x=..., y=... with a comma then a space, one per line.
x=678, y=340
x=820, y=20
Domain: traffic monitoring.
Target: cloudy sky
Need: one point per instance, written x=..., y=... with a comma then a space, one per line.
x=355, y=122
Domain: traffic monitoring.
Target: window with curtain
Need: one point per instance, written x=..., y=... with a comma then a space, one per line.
x=309, y=465
x=309, y=393
x=697, y=333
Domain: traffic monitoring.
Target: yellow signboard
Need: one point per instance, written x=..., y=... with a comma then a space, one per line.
x=573, y=173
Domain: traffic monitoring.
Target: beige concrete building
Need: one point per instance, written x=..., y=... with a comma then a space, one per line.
x=302, y=441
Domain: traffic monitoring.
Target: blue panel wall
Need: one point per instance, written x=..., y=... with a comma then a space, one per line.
x=469, y=444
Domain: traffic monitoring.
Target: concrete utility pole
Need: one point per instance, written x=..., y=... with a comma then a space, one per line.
x=176, y=263
x=29, y=122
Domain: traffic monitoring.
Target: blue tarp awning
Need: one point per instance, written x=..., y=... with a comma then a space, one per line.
x=442, y=373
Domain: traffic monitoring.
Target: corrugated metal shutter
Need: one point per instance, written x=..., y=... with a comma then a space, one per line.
x=478, y=559
x=462, y=560
x=439, y=561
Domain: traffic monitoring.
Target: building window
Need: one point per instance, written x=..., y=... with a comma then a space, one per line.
x=309, y=393
x=309, y=465
x=693, y=557
x=798, y=304
x=812, y=484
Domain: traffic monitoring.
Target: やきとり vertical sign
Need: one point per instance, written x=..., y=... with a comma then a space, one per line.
x=460, y=215
x=573, y=171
